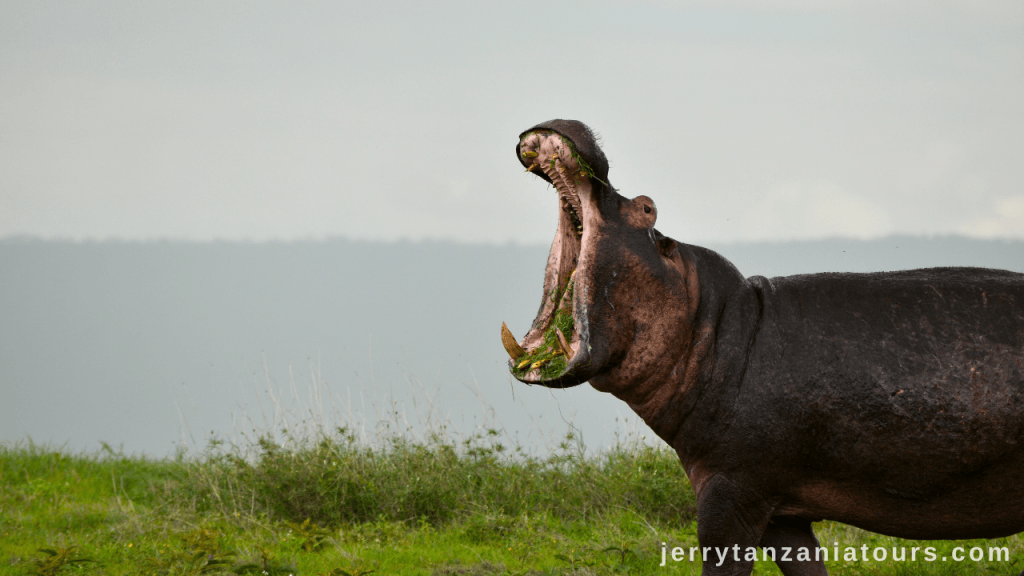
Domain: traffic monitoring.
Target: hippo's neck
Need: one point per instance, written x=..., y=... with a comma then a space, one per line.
x=698, y=397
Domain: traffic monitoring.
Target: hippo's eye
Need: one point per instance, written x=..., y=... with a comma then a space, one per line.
x=647, y=209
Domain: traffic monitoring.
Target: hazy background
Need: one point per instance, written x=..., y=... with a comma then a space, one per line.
x=158, y=344
x=364, y=128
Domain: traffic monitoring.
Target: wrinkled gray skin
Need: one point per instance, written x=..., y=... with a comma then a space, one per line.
x=891, y=401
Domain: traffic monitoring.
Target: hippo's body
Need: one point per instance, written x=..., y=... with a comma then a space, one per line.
x=890, y=401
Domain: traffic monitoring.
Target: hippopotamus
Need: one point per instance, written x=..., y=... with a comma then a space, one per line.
x=890, y=401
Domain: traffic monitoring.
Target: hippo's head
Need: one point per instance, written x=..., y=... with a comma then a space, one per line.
x=617, y=294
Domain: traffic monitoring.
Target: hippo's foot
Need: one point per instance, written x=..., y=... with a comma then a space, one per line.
x=793, y=534
x=549, y=349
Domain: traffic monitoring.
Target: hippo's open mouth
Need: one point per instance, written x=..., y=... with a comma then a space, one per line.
x=551, y=349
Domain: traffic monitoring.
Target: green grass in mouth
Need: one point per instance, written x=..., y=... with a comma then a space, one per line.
x=549, y=354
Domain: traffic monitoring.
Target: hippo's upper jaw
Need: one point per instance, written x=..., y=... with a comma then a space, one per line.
x=560, y=351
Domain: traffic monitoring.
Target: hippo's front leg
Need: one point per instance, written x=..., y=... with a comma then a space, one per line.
x=731, y=521
x=787, y=536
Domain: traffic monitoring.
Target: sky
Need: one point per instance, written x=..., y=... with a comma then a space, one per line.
x=745, y=121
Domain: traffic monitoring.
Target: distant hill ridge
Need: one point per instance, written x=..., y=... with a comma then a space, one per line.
x=108, y=340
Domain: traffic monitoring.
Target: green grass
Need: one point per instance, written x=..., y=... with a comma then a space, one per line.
x=335, y=505
x=549, y=356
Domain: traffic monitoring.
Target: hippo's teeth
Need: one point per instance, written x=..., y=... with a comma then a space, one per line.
x=530, y=154
x=563, y=343
x=533, y=167
x=509, y=342
x=523, y=364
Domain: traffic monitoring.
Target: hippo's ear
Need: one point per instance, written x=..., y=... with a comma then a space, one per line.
x=666, y=245
x=583, y=140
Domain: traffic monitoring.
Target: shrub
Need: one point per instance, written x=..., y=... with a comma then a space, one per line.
x=337, y=480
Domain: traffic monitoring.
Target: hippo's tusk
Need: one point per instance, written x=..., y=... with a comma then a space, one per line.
x=532, y=167
x=530, y=154
x=563, y=344
x=509, y=342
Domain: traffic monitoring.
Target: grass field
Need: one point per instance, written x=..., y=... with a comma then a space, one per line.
x=331, y=504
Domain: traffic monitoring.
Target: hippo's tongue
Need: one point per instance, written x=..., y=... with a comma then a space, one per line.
x=554, y=338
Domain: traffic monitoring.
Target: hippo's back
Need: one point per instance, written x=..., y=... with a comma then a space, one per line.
x=939, y=304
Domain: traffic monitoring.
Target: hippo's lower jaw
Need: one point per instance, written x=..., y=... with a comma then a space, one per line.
x=550, y=354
